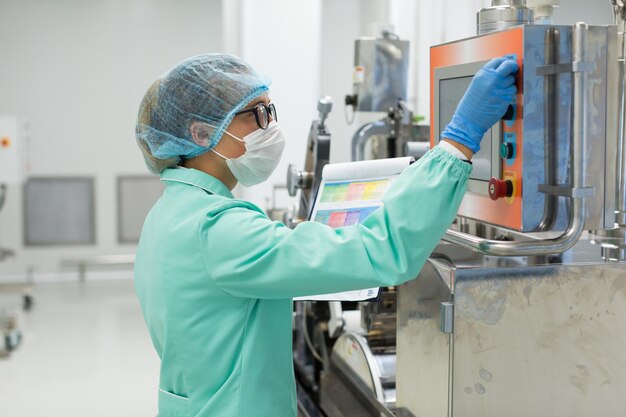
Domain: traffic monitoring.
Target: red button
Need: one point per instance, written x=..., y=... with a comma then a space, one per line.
x=500, y=188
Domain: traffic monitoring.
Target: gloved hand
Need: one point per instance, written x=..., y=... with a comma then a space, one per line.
x=484, y=103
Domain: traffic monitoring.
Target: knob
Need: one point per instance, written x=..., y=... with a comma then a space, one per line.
x=510, y=113
x=500, y=188
x=507, y=150
x=324, y=106
x=298, y=179
x=351, y=100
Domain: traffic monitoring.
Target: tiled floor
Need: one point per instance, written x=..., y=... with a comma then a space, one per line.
x=85, y=352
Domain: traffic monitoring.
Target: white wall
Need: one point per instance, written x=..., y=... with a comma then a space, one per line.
x=280, y=38
x=77, y=70
x=342, y=23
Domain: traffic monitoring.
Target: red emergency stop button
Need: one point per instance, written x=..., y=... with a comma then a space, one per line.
x=500, y=188
x=5, y=142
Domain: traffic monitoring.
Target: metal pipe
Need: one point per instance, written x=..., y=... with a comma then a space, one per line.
x=551, y=114
x=508, y=2
x=543, y=10
x=579, y=101
x=619, y=11
x=416, y=149
x=620, y=206
x=364, y=134
x=620, y=21
x=578, y=164
x=503, y=14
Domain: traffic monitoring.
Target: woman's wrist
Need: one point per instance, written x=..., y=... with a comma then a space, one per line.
x=462, y=148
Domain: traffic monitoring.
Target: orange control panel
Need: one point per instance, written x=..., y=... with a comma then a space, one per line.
x=493, y=196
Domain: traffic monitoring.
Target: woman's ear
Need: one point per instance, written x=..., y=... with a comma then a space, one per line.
x=200, y=133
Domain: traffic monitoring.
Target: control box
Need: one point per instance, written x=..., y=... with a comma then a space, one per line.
x=528, y=151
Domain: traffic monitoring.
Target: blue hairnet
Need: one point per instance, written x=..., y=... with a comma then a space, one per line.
x=207, y=88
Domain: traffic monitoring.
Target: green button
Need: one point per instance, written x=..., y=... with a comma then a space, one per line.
x=506, y=150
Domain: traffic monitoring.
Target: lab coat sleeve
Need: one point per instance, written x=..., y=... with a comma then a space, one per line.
x=248, y=255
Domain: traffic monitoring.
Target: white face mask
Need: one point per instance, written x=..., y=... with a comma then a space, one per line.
x=263, y=151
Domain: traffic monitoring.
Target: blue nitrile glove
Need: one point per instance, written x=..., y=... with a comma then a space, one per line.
x=484, y=103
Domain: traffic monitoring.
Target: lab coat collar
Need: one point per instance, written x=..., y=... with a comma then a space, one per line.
x=195, y=178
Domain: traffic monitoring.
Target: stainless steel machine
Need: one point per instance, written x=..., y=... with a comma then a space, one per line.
x=359, y=376
x=380, y=84
x=380, y=76
x=316, y=156
x=490, y=336
x=518, y=312
x=561, y=124
x=395, y=135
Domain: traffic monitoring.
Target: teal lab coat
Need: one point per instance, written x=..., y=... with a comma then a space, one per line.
x=215, y=278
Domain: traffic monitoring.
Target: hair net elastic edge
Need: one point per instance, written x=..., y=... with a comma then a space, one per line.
x=219, y=131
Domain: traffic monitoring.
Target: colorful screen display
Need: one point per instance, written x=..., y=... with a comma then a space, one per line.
x=338, y=218
x=349, y=202
x=354, y=191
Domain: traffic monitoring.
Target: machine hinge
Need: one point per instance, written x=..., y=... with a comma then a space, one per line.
x=447, y=317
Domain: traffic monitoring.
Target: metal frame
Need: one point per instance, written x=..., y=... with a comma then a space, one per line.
x=93, y=213
x=120, y=179
x=578, y=168
x=371, y=53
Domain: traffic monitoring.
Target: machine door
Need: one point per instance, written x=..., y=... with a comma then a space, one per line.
x=423, y=344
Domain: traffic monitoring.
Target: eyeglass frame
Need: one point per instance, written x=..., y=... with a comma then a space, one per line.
x=270, y=109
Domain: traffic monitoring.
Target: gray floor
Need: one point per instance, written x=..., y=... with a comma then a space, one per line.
x=85, y=352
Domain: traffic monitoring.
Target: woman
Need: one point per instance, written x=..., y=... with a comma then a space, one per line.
x=215, y=277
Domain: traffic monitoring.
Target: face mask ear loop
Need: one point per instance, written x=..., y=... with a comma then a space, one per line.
x=228, y=133
x=219, y=154
x=234, y=137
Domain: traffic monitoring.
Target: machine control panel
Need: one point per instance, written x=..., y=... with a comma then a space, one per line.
x=504, y=187
x=494, y=191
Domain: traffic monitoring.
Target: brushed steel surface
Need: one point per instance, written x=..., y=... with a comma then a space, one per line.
x=535, y=337
x=503, y=14
x=386, y=63
x=544, y=342
x=423, y=351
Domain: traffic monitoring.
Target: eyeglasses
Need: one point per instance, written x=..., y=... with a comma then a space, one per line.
x=262, y=113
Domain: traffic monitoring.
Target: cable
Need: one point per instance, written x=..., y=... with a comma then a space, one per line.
x=307, y=339
x=349, y=120
x=3, y=194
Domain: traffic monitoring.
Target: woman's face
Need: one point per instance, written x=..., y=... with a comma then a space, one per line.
x=242, y=125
